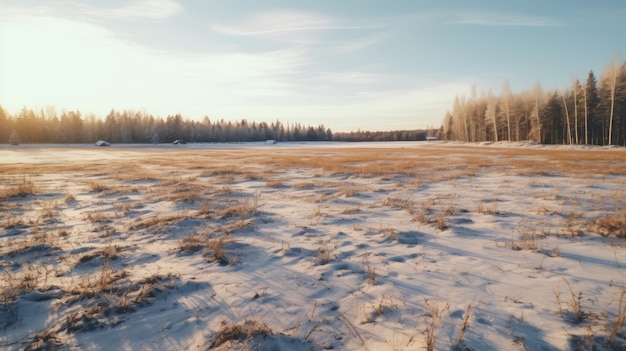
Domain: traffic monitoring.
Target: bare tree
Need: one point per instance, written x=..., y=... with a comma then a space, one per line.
x=586, y=104
x=569, y=129
x=506, y=95
x=490, y=113
x=576, y=87
x=460, y=128
x=537, y=94
x=610, y=76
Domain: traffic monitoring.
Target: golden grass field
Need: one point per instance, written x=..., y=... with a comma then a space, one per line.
x=386, y=246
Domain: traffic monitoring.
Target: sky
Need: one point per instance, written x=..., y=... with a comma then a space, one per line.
x=350, y=64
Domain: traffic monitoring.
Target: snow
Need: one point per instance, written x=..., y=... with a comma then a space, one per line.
x=326, y=246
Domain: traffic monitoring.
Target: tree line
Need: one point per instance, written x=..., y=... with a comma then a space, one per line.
x=589, y=112
x=394, y=135
x=46, y=126
x=137, y=127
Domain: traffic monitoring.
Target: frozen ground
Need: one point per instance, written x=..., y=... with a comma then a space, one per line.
x=381, y=246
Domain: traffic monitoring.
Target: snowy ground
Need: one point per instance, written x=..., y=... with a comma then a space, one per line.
x=379, y=246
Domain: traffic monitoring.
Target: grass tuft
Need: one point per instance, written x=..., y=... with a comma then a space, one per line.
x=465, y=324
x=242, y=332
x=99, y=186
x=23, y=188
x=435, y=312
x=610, y=225
x=216, y=249
x=389, y=233
x=620, y=319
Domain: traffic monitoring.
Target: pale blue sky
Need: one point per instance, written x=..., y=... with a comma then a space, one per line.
x=373, y=65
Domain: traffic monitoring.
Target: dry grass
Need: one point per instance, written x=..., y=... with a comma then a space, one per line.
x=234, y=209
x=324, y=255
x=413, y=166
x=435, y=312
x=304, y=185
x=99, y=217
x=180, y=191
x=350, y=210
x=422, y=163
x=274, y=183
x=317, y=212
x=135, y=173
x=530, y=236
x=99, y=186
x=205, y=209
x=441, y=221
x=159, y=221
x=620, y=318
x=389, y=233
x=400, y=203
x=241, y=210
x=610, y=225
x=146, y=291
x=127, y=206
x=243, y=332
x=226, y=190
x=350, y=191
x=158, y=280
x=216, y=249
x=465, y=324
x=424, y=210
x=45, y=340
x=15, y=285
x=12, y=221
x=107, y=252
x=223, y=169
x=491, y=209
x=21, y=188
x=178, y=181
x=572, y=226
x=69, y=198
x=193, y=242
x=48, y=210
x=371, y=275
x=574, y=303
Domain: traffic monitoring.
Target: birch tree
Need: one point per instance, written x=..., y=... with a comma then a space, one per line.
x=576, y=89
x=537, y=93
x=506, y=96
x=569, y=129
x=490, y=113
x=610, y=77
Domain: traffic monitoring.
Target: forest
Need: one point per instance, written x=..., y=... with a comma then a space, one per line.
x=592, y=111
x=395, y=135
x=29, y=127
x=139, y=127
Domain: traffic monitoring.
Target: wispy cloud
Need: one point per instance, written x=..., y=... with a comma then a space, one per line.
x=353, y=77
x=154, y=9
x=283, y=23
x=135, y=9
x=276, y=22
x=363, y=43
x=71, y=63
x=502, y=19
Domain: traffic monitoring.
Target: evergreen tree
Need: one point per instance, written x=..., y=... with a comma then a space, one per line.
x=5, y=124
x=14, y=139
x=591, y=101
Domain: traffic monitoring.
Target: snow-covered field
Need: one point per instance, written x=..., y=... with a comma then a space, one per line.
x=380, y=246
